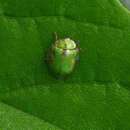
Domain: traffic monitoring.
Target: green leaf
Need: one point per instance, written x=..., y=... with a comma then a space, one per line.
x=97, y=95
x=13, y=119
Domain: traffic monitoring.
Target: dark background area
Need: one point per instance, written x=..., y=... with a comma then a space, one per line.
x=126, y=3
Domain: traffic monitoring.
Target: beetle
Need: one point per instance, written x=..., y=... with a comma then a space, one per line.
x=63, y=56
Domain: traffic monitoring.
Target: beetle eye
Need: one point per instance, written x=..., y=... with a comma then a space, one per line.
x=77, y=42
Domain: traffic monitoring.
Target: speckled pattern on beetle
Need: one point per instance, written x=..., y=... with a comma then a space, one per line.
x=63, y=56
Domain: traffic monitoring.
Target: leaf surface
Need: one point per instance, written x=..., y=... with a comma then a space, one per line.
x=97, y=95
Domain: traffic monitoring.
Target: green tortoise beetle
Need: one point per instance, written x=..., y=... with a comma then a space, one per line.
x=63, y=56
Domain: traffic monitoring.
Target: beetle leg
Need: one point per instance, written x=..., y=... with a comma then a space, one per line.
x=77, y=58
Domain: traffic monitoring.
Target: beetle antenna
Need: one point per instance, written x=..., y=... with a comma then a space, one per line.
x=56, y=36
x=78, y=44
